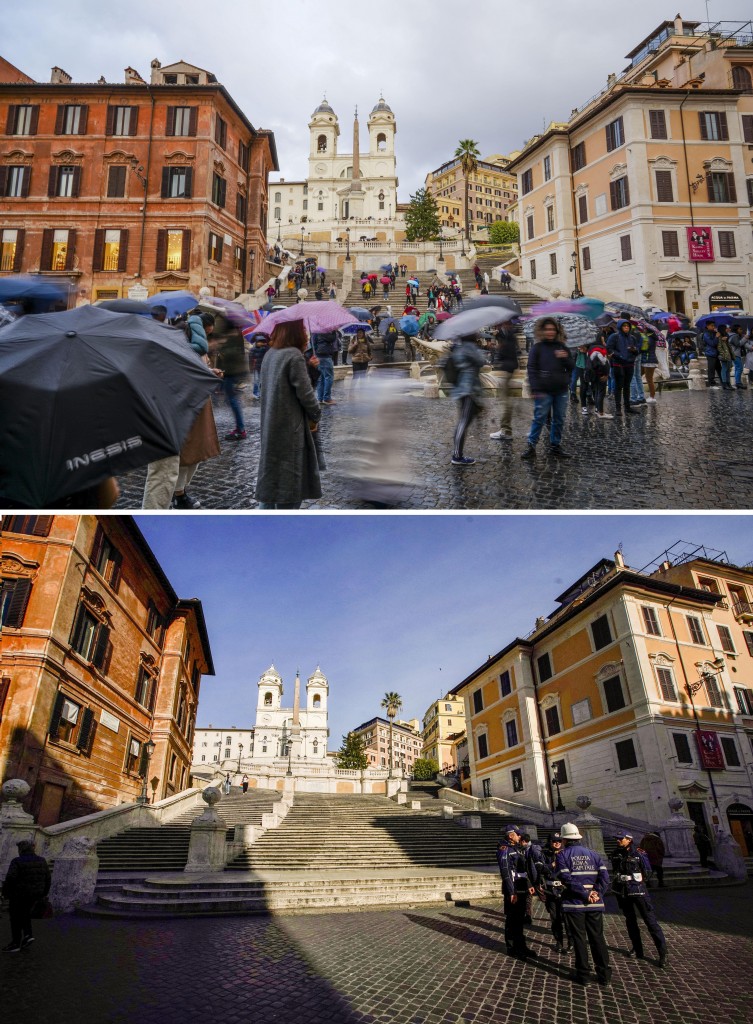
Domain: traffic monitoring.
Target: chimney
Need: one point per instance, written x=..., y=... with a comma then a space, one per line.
x=155, y=75
x=540, y=621
x=619, y=561
x=666, y=565
x=611, y=79
x=132, y=77
x=60, y=77
x=678, y=25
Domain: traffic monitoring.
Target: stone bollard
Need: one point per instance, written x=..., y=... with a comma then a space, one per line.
x=207, y=848
x=589, y=826
x=74, y=876
x=677, y=835
x=728, y=857
x=15, y=823
x=448, y=811
x=402, y=798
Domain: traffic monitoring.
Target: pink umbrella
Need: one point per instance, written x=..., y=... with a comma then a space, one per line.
x=319, y=317
x=444, y=316
x=385, y=280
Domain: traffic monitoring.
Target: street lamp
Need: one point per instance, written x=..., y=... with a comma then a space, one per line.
x=347, y=245
x=556, y=782
x=303, y=231
x=441, y=254
x=148, y=751
x=240, y=752
x=692, y=688
x=278, y=230
x=576, y=293
x=289, y=772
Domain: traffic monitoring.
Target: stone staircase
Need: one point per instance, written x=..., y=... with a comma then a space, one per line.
x=165, y=847
x=287, y=298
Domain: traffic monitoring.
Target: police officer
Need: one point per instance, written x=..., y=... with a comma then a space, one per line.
x=515, y=886
x=550, y=890
x=630, y=869
x=533, y=855
x=585, y=879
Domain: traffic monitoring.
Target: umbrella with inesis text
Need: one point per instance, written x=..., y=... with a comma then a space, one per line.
x=88, y=394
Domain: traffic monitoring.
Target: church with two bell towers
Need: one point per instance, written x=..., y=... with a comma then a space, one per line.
x=303, y=728
x=356, y=189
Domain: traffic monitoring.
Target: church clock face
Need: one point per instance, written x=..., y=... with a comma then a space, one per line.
x=320, y=168
x=265, y=719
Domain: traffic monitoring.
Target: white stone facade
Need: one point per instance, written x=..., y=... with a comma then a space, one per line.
x=274, y=727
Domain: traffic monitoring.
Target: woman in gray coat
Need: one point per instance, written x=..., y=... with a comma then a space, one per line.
x=288, y=466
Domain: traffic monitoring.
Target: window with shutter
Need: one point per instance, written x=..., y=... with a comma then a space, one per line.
x=695, y=628
x=4, y=691
x=744, y=698
x=682, y=747
x=14, y=183
x=116, y=181
x=220, y=132
x=70, y=251
x=615, y=135
x=33, y=526
x=100, y=657
x=511, y=729
x=601, y=632
x=579, y=156
x=478, y=701
x=664, y=191
x=725, y=639
x=619, y=193
x=144, y=761
x=626, y=247
x=713, y=692
x=666, y=683
x=532, y=270
x=731, y=755
x=658, y=124
x=749, y=186
x=651, y=620
x=727, y=244
x=483, y=746
x=559, y=771
x=14, y=597
x=583, y=209
x=613, y=695
x=526, y=182
x=86, y=731
x=529, y=225
x=748, y=638
x=505, y=685
x=626, y=756
x=586, y=253
x=552, y=719
x=670, y=243
x=747, y=123
x=56, y=717
x=552, y=262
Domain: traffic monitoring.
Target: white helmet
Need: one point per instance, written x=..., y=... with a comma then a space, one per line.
x=570, y=831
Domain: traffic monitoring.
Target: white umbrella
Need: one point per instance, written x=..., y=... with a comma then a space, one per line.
x=472, y=320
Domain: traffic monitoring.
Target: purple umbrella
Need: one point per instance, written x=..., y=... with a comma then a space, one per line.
x=319, y=317
x=590, y=308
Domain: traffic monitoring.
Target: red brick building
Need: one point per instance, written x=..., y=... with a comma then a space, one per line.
x=105, y=186
x=99, y=656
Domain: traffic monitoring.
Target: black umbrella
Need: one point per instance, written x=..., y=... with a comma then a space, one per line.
x=88, y=394
x=493, y=300
x=617, y=308
x=124, y=306
x=683, y=334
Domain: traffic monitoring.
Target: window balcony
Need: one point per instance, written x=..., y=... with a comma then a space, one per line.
x=743, y=611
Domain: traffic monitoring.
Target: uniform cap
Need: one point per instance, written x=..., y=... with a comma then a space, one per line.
x=512, y=828
x=570, y=831
x=622, y=834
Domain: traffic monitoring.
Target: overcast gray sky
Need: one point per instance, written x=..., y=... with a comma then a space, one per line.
x=489, y=70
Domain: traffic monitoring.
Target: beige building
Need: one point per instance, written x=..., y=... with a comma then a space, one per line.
x=406, y=743
x=443, y=723
x=645, y=193
x=491, y=190
x=636, y=690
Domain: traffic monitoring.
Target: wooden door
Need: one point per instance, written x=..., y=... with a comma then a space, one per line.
x=52, y=803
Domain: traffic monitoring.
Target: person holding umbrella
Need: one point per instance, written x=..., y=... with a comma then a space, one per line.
x=288, y=465
x=467, y=359
x=360, y=355
x=549, y=367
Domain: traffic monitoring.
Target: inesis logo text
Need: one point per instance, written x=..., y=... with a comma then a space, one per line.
x=99, y=454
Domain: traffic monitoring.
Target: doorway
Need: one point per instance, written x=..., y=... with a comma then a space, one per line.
x=697, y=815
x=675, y=301
x=51, y=805
x=740, y=818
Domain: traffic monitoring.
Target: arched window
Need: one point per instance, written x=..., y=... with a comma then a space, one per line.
x=317, y=702
x=267, y=700
x=381, y=142
x=741, y=79
x=278, y=197
x=315, y=746
x=321, y=144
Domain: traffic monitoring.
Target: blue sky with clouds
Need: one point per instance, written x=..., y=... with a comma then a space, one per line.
x=411, y=603
x=493, y=71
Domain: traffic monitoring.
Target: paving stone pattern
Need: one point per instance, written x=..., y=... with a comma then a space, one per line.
x=689, y=451
x=441, y=965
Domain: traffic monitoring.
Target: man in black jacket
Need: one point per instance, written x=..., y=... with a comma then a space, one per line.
x=27, y=882
x=549, y=367
x=505, y=359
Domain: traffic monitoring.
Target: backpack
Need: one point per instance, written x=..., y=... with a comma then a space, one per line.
x=449, y=367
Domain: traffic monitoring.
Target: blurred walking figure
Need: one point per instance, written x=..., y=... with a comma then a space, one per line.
x=232, y=360
x=27, y=882
x=360, y=356
x=464, y=363
x=505, y=359
x=288, y=464
x=550, y=365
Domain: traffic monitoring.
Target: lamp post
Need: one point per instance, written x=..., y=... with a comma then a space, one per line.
x=240, y=752
x=692, y=688
x=148, y=751
x=289, y=772
x=556, y=782
x=278, y=230
x=576, y=293
x=303, y=231
x=347, y=245
x=441, y=240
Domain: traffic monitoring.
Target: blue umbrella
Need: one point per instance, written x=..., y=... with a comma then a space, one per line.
x=661, y=316
x=360, y=312
x=450, y=273
x=409, y=325
x=355, y=328
x=176, y=302
x=29, y=287
x=719, y=317
x=386, y=266
x=384, y=324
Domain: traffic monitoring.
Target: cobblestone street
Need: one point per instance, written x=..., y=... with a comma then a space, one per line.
x=689, y=451
x=407, y=966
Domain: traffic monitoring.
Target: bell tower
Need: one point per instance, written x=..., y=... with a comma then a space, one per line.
x=382, y=131
x=270, y=690
x=317, y=691
x=324, y=131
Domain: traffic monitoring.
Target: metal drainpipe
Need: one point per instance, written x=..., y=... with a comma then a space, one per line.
x=690, y=190
x=576, y=239
x=542, y=734
x=146, y=178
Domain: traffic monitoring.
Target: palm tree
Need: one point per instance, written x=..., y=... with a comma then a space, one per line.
x=468, y=154
x=391, y=702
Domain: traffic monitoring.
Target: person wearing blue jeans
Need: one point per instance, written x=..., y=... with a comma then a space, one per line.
x=637, y=394
x=325, y=348
x=550, y=364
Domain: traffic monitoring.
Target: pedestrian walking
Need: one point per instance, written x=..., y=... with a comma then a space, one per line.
x=724, y=355
x=710, y=343
x=326, y=346
x=736, y=349
x=360, y=356
x=550, y=365
x=515, y=886
x=649, y=361
x=505, y=360
x=259, y=349
x=232, y=360
x=244, y=783
x=551, y=890
x=597, y=373
x=533, y=855
x=585, y=879
x=464, y=364
x=630, y=867
x=288, y=464
x=578, y=379
x=703, y=845
x=26, y=883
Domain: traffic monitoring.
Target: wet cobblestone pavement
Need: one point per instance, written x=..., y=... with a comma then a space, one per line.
x=439, y=965
x=691, y=450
